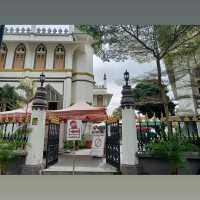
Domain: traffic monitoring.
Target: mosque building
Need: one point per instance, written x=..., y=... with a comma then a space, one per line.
x=64, y=55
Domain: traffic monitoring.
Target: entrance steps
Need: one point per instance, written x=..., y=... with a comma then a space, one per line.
x=84, y=165
x=64, y=172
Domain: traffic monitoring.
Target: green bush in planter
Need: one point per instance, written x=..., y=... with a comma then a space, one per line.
x=7, y=155
x=172, y=150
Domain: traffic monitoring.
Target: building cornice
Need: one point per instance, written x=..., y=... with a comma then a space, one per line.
x=35, y=70
x=83, y=74
x=48, y=70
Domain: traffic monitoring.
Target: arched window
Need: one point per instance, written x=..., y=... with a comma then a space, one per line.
x=40, y=57
x=100, y=100
x=59, y=57
x=19, y=57
x=3, y=53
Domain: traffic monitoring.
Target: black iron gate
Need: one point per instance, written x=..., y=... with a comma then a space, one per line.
x=52, y=144
x=113, y=143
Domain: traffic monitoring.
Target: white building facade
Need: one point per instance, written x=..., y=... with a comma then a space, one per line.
x=65, y=56
x=184, y=76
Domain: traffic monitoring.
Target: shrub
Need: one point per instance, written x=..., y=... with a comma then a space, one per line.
x=172, y=149
x=7, y=155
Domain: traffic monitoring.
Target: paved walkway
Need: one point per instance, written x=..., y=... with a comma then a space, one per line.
x=84, y=163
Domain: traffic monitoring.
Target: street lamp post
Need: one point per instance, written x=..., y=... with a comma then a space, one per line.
x=42, y=79
x=126, y=77
x=129, y=135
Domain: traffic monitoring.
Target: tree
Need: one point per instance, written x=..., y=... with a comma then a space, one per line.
x=141, y=42
x=27, y=86
x=147, y=98
x=9, y=98
x=117, y=113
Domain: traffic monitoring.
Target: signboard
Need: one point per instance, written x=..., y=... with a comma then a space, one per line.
x=98, y=142
x=74, y=129
x=35, y=121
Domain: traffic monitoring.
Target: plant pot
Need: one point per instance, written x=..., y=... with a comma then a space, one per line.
x=16, y=166
x=155, y=165
x=88, y=144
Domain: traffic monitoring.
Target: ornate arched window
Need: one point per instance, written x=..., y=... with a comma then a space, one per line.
x=40, y=57
x=19, y=57
x=59, y=57
x=3, y=54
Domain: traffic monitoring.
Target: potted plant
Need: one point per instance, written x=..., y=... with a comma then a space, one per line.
x=12, y=151
x=88, y=141
x=172, y=150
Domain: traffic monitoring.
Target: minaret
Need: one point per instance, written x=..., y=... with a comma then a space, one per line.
x=105, y=81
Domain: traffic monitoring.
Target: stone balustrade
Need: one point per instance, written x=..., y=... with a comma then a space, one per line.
x=13, y=30
x=99, y=86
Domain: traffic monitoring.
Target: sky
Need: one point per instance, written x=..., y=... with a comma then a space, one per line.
x=114, y=72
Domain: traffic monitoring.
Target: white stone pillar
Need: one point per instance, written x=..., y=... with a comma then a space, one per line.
x=36, y=138
x=129, y=137
x=35, y=147
x=67, y=92
x=129, y=158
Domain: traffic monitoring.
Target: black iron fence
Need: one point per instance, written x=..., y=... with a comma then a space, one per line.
x=52, y=143
x=185, y=127
x=113, y=143
x=14, y=133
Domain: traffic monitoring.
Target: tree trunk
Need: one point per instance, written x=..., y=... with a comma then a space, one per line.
x=26, y=119
x=162, y=94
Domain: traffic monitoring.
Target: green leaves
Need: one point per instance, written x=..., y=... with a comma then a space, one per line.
x=140, y=42
x=7, y=154
x=172, y=150
x=9, y=98
x=148, y=100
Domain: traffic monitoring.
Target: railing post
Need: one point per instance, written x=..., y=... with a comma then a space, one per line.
x=129, y=159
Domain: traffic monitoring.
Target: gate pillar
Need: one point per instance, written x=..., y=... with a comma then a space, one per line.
x=129, y=159
x=35, y=147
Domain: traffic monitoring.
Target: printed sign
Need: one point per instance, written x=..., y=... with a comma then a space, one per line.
x=74, y=129
x=35, y=121
x=98, y=142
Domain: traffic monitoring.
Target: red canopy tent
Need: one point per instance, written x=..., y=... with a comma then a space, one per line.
x=82, y=111
x=17, y=115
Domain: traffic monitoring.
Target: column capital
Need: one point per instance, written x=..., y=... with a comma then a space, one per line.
x=39, y=101
x=127, y=100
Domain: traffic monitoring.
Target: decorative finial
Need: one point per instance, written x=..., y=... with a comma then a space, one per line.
x=42, y=79
x=126, y=77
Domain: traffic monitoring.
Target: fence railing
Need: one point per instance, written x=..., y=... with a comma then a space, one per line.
x=182, y=127
x=15, y=133
x=19, y=141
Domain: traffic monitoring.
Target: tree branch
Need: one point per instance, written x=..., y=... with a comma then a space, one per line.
x=137, y=38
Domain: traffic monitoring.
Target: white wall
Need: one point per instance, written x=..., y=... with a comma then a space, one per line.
x=78, y=58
